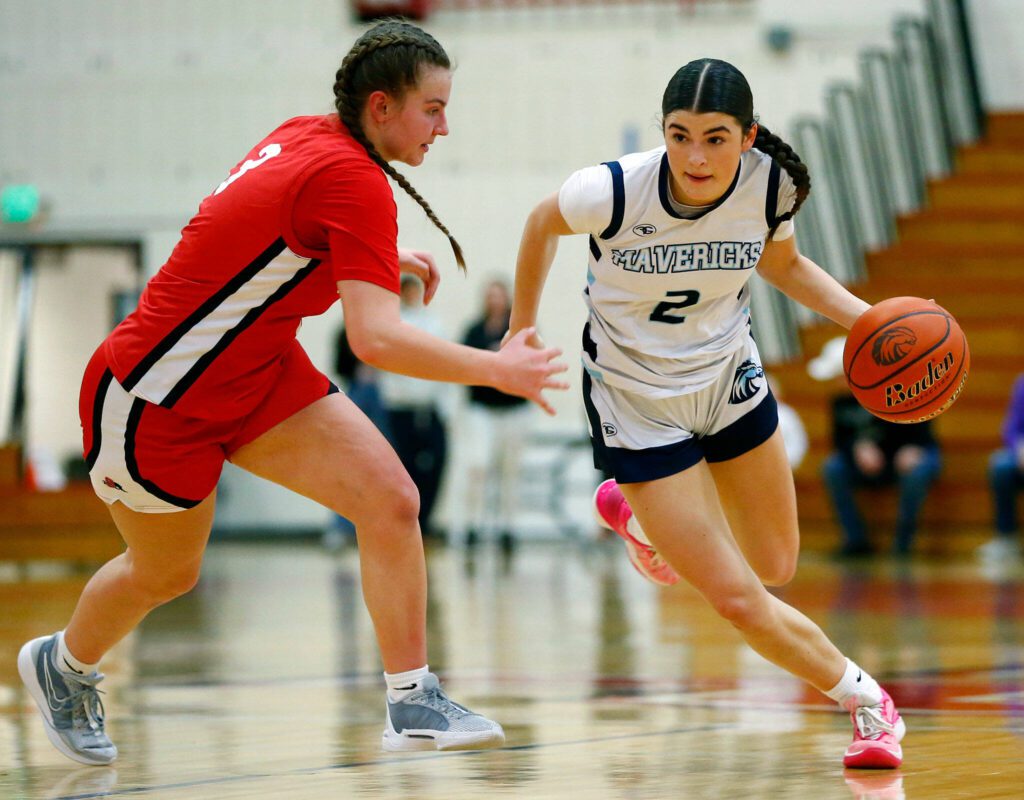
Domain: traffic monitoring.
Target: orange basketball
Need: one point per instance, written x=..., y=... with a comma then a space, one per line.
x=906, y=359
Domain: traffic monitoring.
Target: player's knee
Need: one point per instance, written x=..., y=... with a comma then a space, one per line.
x=396, y=507
x=163, y=585
x=404, y=505
x=743, y=609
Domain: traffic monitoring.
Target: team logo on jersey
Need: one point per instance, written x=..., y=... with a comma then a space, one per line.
x=643, y=229
x=892, y=345
x=745, y=384
x=609, y=429
x=107, y=481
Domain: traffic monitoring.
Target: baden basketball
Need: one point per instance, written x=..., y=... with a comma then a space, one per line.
x=906, y=359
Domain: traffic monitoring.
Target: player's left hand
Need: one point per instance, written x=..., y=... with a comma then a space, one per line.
x=421, y=264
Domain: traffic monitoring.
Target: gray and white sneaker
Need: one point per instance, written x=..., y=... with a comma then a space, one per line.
x=427, y=720
x=70, y=704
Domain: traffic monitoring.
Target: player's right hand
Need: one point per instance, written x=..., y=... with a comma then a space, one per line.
x=527, y=371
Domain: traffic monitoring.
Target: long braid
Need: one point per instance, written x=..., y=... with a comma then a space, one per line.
x=412, y=47
x=771, y=145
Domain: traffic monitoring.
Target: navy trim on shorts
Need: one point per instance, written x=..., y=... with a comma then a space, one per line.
x=134, y=418
x=771, y=200
x=332, y=388
x=751, y=430
x=218, y=297
x=618, y=200
x=197, y=369
x=97, y=418
x=637, y=466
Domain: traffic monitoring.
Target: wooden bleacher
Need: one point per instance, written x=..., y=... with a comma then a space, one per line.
x=965, y=250
x=72, y=524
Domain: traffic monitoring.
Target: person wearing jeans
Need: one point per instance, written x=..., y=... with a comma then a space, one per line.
x=871, y=452
x=1006, y=478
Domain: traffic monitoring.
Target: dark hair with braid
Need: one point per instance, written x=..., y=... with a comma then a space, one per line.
x=708, y=85
x=388, y=58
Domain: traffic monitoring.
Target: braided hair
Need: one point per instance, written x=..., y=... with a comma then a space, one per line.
x=709, y=85
x=388, y=58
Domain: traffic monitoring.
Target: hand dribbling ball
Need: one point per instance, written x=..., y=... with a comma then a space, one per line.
x=906, y=359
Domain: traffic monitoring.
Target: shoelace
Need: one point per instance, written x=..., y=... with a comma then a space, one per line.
x=871, y=723
x=438, y=701
x=86, y=702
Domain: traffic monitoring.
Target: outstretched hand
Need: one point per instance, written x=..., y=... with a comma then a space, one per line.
x=421, y=264
x=527, y=370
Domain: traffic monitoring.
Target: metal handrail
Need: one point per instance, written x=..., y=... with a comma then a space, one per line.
x=882, y=140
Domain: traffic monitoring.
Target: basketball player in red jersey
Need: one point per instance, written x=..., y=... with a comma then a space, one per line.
x=208, y=369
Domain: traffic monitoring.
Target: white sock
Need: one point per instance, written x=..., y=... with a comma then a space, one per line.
x=856, y=688
x=66, y=662
x=402, y=684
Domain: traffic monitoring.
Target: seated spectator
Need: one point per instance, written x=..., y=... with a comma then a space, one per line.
x=870, y=452
x=1006, y=477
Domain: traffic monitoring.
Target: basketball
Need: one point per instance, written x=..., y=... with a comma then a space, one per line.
x=906, y=359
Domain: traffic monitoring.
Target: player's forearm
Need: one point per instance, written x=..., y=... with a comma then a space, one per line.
x=410, y=351
x=809, y=285
x=536, y=254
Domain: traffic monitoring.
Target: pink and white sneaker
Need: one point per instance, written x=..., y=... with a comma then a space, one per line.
x=612, y=511
x=877, y=731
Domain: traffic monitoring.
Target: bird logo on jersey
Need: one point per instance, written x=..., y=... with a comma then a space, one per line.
x=892, y=345
x=744, y=384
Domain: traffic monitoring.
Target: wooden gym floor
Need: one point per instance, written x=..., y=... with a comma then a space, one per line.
x=264, y=683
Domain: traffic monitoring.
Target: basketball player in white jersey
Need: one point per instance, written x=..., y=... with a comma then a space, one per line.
x=678, y=407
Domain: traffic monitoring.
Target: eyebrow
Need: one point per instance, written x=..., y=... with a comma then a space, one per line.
x=716, y=129
x=435, y=100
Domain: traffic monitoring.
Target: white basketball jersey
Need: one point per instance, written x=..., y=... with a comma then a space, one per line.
x=668, y=296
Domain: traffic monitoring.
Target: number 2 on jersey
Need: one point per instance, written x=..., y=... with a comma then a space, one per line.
x=265, y=155
x=689, y=297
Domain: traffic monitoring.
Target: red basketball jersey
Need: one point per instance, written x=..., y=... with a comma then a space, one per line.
x=306, y=208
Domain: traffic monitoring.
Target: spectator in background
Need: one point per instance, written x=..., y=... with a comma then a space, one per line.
x=870, y=452
x=497, y=425
x=1006, y=477
x=415, y=411
x=361, y=383
x=794, y=434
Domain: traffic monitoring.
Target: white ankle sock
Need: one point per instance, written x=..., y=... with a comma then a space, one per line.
x=856, y=688
x=66, y=662
x=402, y=684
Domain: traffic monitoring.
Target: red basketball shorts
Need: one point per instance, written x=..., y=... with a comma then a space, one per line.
x=155, y=460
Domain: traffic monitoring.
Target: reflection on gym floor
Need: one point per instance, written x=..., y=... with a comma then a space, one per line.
x=265, y=682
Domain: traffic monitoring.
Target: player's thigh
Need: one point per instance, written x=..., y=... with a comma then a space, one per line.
x=759, y=499
x=330, y=452
x=165, y=549
x=683, y=518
